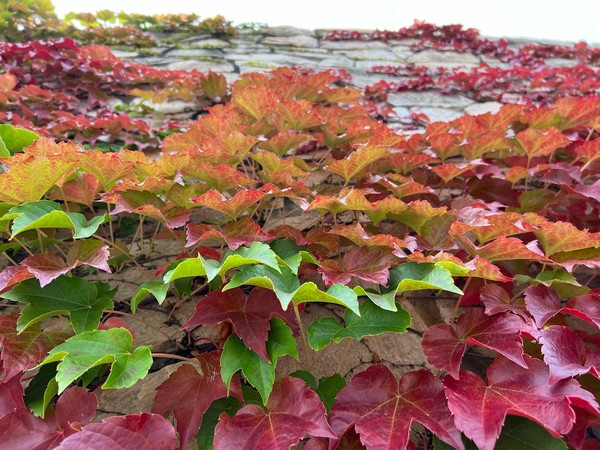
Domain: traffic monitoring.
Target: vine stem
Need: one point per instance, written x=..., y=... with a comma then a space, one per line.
x=343, y=357
x=170, y=356
x=23, y=246
x=124, y=250
x=302, y=335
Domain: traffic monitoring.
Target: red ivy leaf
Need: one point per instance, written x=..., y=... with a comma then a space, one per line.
x=586, y=307
x=360, y=237
x=12, y=276
x=234, y=206
x=21, y=352
x=11, y=395
x=249, y=317
x=480, y=408
x=445, y=345
x=496, y=300
x=189, y=394
x=20, y=429
x=542, y=302
x=370, y=264
x=382, y=409
x=294, y=411
x=140, y=431
x=566, y=355
x=241, y=232
x=45, y=266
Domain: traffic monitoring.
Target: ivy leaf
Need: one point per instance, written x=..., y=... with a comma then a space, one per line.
x=49, y=266
x=22, y=351
x=47, y=214
x=410, y=276
x=445, y=345
x=382, y=409
x=257, y=253
x=369, y=264
x=586, y=307
x=140, y=431
x=82, y=300
x=249, y=316
x=235, y=234
x=566, y=354
x=41, y=175
x=509, y=249
x=188, y=394
x=206, y=434
x=517, y=432
x=20, y=429
x=372, y=321
x=541, y=142
x=294, y=411
x=260, y=374
x=233, y=207
x=480, y=408
x=356, y=162
x=542, y=302
x=157, y=288
x=327, y=387
x=292, y=254
x=288, y=289
x=87, y=350
x=16, y=139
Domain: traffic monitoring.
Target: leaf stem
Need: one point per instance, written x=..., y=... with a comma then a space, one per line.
x=23, y=246
x=302, y=335
x=343, y=357
x=170, y=356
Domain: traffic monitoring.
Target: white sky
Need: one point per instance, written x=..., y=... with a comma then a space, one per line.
x=571, y=20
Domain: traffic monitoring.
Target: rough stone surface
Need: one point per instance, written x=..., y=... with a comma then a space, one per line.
x=438, y=114
x=482, y=108
x=292, y=41
x=202, y=66
x=434, y=56
x=428, y=99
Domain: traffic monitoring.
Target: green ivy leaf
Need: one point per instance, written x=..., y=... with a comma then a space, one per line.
x=82, y=300
x=47, y=214
x=257, y=253
x=206, y=434
x=85, y=351
x=410, y=276
x=41, y=390
x=260, y=374
x=15, y=139
x=517, y=433
x=288, y=289
x=372, y=321
x=157, y=288
x=327, y=387
x=292, y=254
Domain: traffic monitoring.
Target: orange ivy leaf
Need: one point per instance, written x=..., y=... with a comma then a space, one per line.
x=506, y=249
x=255, y=101
x=357, y=234
x=284, y=141
x=356, y=162
x=108, y=168
x=452, y=170
x=28, y=177
x=241, y=232
x=270, y=162
x=541, y=142
x=236, y=205
x=221, y=178
x=561, y=237
x=577, y=111
x=417, y=214
x=83, y=189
